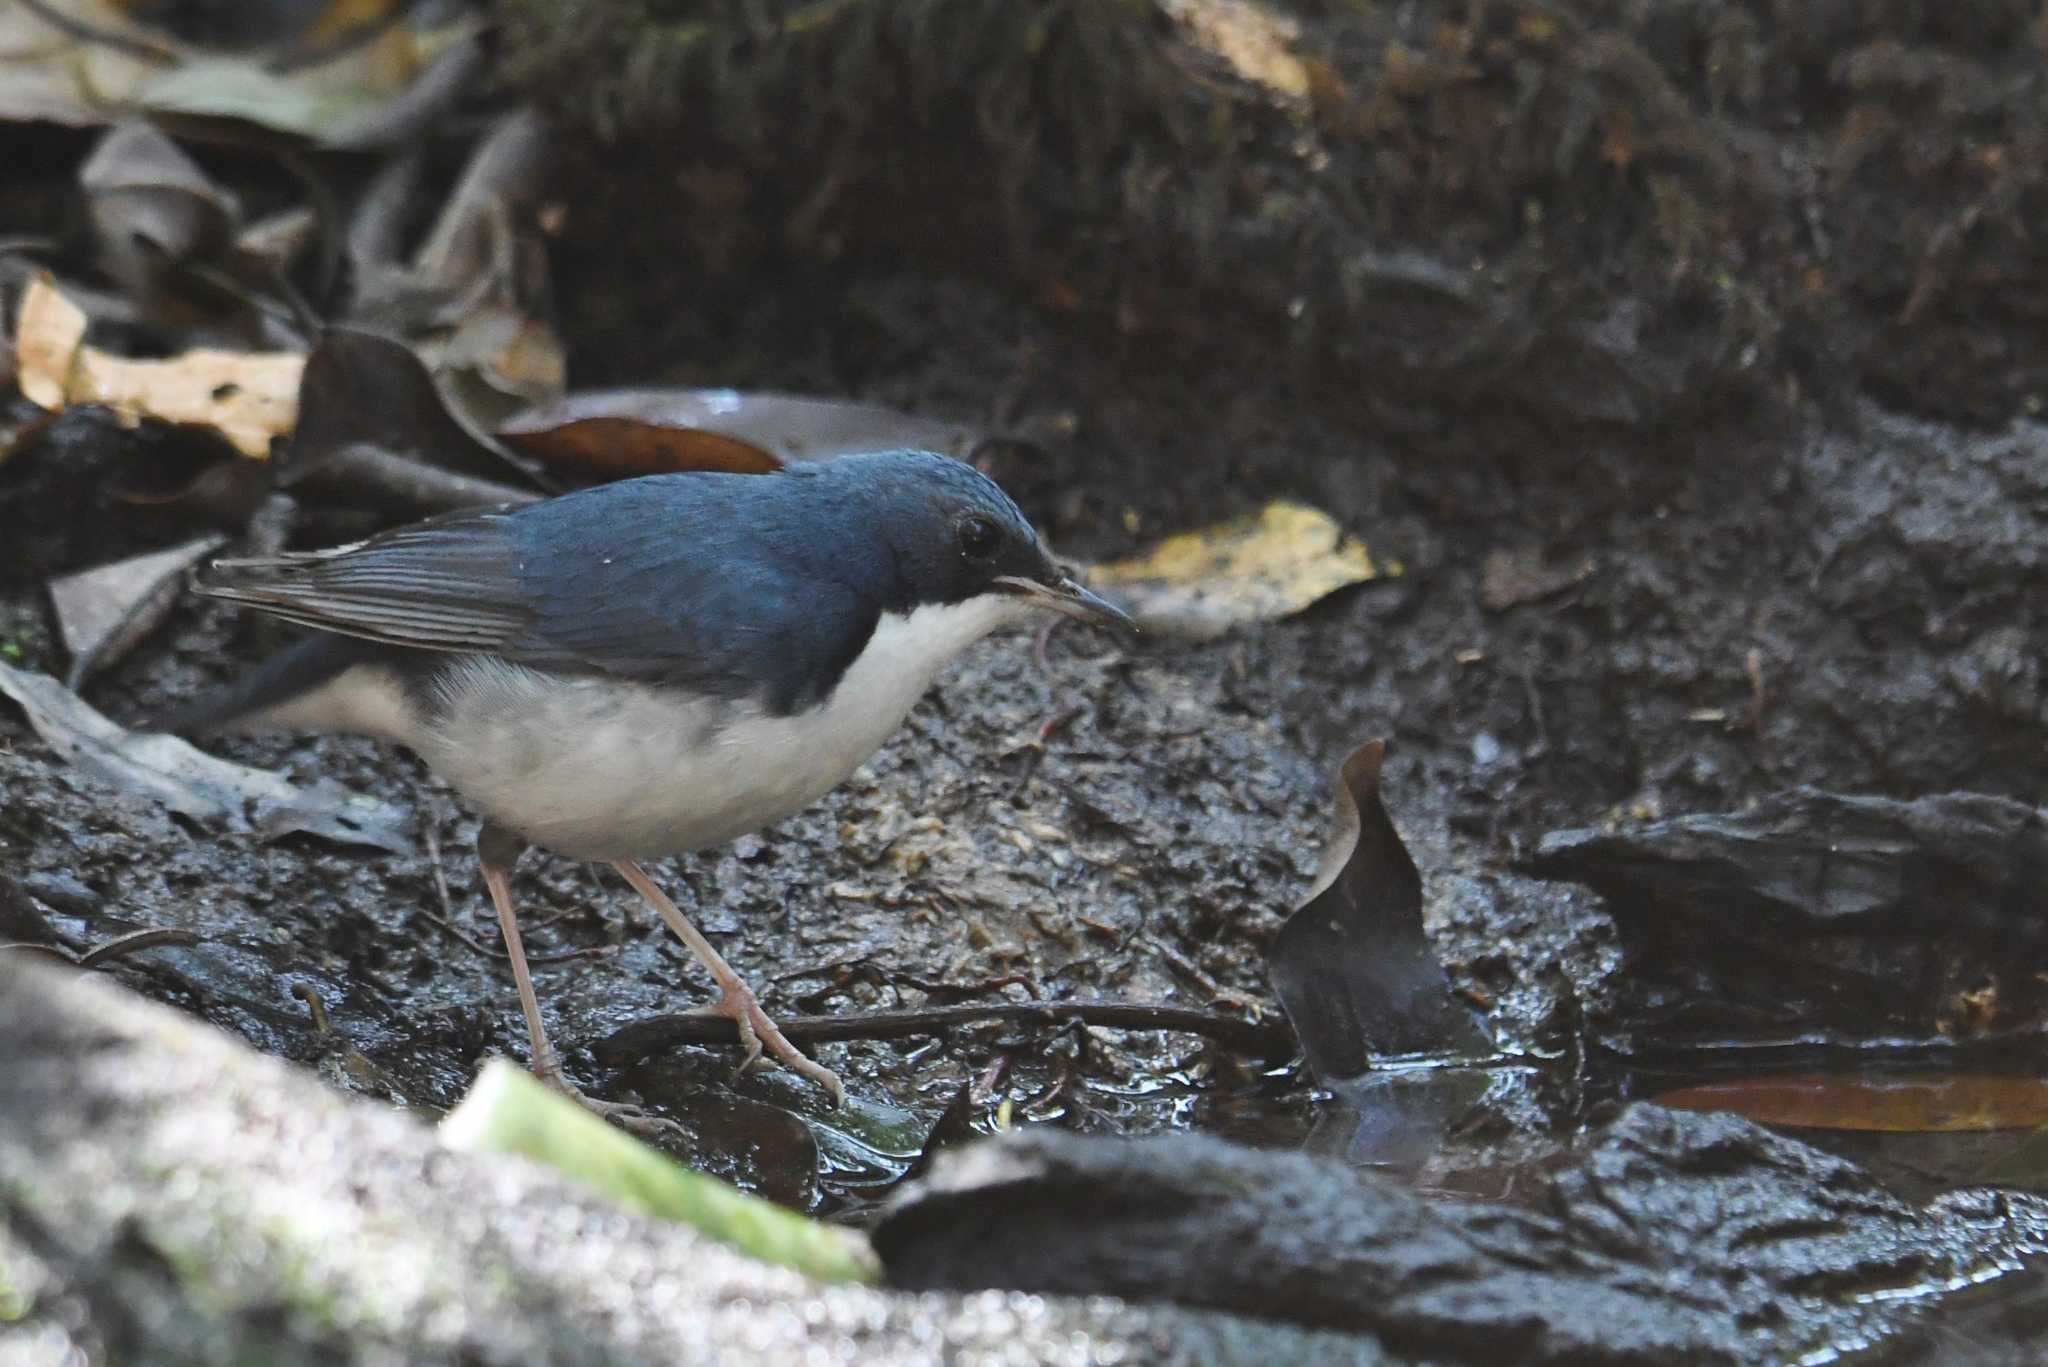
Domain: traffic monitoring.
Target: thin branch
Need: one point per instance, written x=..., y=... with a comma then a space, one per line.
x=123, y=945
x=1268, y=1039
x=108, y=950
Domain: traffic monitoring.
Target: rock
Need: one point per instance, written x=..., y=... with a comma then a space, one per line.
x=1817, y=911
x=1671, y=1237
x=168, y=1195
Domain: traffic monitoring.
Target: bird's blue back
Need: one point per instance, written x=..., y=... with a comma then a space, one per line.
x=733, y=584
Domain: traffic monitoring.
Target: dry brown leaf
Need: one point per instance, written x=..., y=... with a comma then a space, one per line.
x=615, y=433
x=1198, y=585
x=248, y=397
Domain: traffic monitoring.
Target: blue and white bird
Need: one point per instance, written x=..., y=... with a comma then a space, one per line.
x=650, y=667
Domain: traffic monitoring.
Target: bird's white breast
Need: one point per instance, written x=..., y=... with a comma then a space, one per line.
x=597, y=768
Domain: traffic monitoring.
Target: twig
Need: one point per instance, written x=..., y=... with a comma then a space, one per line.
x=446, y=920
x=434, y=857
x=1753, y=666
x=643, y=1037
x=498, y=951
x=1183, y=965
x=306, y=993
x=123, y=945
x=108, y=950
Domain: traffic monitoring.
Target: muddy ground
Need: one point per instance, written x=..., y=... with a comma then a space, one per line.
x=1775, y=582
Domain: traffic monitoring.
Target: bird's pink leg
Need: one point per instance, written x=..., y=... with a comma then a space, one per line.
x=736, y=1000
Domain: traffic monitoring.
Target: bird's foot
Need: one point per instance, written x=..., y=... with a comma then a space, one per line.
x=634, y=1120
x=738, y=1004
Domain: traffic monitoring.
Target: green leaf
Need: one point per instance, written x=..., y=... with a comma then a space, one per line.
x=510, y=1111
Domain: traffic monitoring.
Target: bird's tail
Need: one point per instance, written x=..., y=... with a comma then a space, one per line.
x=291, y=673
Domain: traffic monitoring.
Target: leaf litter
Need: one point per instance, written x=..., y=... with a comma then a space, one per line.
x=334, y=74
x=194, y=784
x=105, y=611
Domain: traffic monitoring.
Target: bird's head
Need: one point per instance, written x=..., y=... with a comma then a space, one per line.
x=957, y=538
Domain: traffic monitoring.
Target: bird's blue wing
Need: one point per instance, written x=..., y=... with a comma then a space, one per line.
x=718, y=582
x=448, y=583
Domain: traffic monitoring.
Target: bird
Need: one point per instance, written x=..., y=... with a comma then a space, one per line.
x=650, y=667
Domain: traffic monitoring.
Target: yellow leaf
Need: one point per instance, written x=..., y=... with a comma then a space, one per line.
x=1198, y=585
x=47, y=333
x=248, y=397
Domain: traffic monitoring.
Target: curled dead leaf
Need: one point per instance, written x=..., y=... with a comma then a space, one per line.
x=373, y=421
x=151, y=205
x=1352, y=967
x=1198, y=585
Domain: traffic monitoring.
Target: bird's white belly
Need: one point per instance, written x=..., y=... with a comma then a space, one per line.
x=598, y=768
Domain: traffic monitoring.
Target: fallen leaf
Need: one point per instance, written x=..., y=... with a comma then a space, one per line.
x=1253, y=40
x=509, y=1111
x=104, y=611
x=472, y=234
x=1935, y=1103
x=1198, y=585
x=194, y=784
x=301, y=73
x=1526, y=574
x=271, y=245
x=48, y=332
x=51, y=75
x=621, y=448
x=1352, y=967
x=248, y=397
x=152, y=207
x=363, y=393
x=498, y=362
x=618, y=433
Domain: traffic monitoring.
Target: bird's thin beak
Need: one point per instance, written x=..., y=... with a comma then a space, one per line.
x=1067, y=596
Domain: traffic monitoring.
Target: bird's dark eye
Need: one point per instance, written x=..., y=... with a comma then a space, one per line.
x=979, y=538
